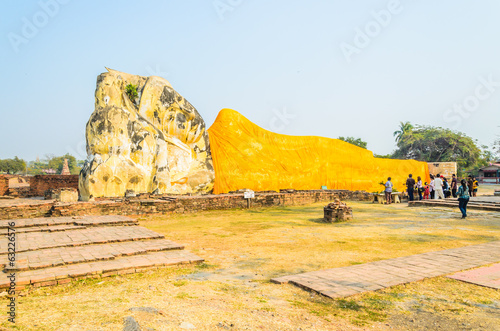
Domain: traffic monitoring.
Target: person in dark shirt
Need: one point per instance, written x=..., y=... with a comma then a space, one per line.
x=470, y=184
x=432, y=188
x=454, y=185
x=410, y=184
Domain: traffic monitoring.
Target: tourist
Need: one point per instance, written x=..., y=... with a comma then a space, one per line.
x=446, y=188
x=463, y=198
x=475, y=185
x=410, y=185
x=420, y=188
x=427, y=191
x=454, y=185
x=438, y=187
x=431, y=187
x=470, y=184
x=388, y=191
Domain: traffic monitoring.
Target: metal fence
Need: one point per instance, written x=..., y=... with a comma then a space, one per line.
x=488, y=180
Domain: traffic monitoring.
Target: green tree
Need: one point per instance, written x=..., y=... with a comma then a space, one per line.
x=35, y=168
x=435, y=144
x=12, y=166
x=386, y=156
x=404, y=128
x=487, y=156
x=355, y=141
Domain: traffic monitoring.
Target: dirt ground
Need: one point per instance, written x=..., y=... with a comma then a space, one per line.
x=487, y=189
x=244, y=249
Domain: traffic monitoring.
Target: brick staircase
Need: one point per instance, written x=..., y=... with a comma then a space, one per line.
x=477, y=203
x=51, y=251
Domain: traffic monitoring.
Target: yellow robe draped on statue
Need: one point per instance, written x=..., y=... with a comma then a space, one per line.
x=247, y=156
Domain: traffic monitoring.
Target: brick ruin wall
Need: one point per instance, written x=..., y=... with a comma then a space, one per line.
x=4, y=184
x=177, y=204
x=38, y=184
x=41, y=183
x=445, y=169
x=26, y=211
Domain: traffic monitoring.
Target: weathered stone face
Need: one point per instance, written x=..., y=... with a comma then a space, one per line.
x=156, y=143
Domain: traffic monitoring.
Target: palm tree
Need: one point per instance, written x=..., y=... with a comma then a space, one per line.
x=404, y=128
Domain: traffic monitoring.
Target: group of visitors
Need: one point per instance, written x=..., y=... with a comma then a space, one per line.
x=438, y=188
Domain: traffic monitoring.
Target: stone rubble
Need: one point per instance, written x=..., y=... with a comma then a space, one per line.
x=337, y=211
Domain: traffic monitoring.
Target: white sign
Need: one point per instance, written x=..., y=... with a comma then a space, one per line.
x=249, y=194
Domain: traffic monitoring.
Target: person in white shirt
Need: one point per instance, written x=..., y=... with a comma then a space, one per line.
x=438, y=187
x=388, y=191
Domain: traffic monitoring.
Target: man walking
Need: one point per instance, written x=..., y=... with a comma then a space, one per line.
x=410, y=184
x=454, y=185
x=438, y=187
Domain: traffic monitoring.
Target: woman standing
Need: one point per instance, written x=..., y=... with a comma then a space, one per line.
x=420, y=188
x=446, y=188
x=463, y=198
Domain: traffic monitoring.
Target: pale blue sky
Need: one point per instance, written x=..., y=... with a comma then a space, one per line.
x=282, y=64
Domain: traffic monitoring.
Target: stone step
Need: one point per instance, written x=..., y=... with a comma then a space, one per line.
x=54, y=228
x=74, y=220
x=53, y=257
x=31, y=241
x=454, y=204
x=99, y=269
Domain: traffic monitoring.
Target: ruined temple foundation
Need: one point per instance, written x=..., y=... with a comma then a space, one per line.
x=337, y=211
x=160, y=205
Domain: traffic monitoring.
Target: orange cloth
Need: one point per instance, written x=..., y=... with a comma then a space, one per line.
x=247, y=156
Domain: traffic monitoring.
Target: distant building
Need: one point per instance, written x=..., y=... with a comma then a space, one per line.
x=446, y=169
x=490, y=174
x=49, y=171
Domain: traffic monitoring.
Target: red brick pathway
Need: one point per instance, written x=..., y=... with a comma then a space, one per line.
x=486, y=276
x=51, y=251
x=346, y=281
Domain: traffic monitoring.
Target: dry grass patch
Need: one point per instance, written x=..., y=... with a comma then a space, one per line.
x=244, y=249
x=487, y=189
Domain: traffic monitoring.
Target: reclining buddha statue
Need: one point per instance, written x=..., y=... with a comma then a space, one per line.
x=144, y=137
